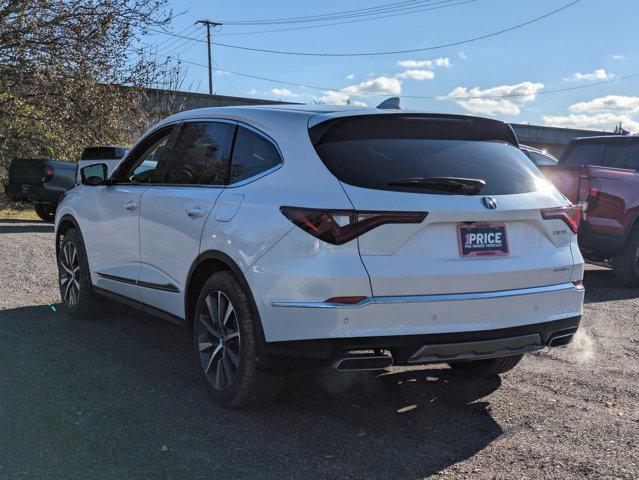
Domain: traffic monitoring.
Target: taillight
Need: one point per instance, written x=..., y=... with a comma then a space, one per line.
x=47, y=174
x=341, y=226
x=570, y=215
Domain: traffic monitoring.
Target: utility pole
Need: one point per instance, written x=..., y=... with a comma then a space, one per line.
x=209, y=24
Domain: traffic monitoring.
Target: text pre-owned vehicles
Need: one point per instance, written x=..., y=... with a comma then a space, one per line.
x=601, y=173
x=40, y=181
x=109, y=155
x=352, y=238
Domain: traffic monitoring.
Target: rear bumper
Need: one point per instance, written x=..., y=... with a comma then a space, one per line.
x=34, y=193
x=421, y=315
x=432, y=348
x=601, y=243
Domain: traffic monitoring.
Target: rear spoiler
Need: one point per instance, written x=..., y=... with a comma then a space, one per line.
x=412, y=126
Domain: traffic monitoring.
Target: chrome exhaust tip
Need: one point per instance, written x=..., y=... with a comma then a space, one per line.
x=561, y=339
x=353, y=363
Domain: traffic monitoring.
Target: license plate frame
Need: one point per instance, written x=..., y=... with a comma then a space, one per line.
x=492, y=243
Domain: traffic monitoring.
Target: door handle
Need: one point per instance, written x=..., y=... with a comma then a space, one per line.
x=131, y=205
x=195, y=212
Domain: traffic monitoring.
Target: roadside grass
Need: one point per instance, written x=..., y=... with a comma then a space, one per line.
x=16, y=210
x=18, y=214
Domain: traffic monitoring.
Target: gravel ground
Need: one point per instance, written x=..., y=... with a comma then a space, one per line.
x=117, y=397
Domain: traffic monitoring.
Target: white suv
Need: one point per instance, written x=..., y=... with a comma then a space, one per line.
x=351, y=238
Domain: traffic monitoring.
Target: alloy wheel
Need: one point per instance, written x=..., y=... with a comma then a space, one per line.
x=70, y=274
x=218, y=337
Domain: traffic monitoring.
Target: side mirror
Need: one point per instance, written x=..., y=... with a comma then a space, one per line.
x=95, y=174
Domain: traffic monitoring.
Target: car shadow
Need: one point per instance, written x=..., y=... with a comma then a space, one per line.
x=35, y=227
x=17, y=220
x=121, y=390
x=601, y=286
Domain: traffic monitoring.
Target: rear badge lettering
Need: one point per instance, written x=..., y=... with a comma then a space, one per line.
x=482, y=240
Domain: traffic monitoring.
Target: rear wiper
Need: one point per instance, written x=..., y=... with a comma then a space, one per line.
x=467, y=186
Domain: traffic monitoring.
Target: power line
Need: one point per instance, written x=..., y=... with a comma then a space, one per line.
x=348, y=21
x=382, y=94
x=395, y=52
x=336, y=15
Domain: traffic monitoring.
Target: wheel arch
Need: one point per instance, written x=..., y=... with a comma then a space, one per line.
x=66, y=223
x=206, y=264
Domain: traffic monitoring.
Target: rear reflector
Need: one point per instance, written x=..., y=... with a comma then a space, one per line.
x=578, y=283
x=570, y=215
x=341, y=226
x=47, y=174
x=345, y=300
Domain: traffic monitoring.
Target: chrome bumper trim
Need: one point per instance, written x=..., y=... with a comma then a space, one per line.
x=449, y=297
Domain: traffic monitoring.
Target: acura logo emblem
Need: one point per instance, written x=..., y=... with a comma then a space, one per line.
x=489, y=202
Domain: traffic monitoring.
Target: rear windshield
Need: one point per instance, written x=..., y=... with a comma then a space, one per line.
x=371, y=152
x=102, y=153
x=583, y=154
x=611, y=153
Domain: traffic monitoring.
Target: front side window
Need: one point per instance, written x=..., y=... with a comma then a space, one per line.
x=252, y=155
x=201, y=154
x=144, y=160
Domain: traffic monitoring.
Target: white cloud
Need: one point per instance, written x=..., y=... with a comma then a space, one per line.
x=616, y=56
x=377, y=86
x=607, y=104
x=443, y=62
x=599, y=74
x=599, y=121
x=350, y=77
x=380, y=86
x=284, y=92
x=417, y=74
x=416, y=64
x=484, y=102
x=252, y=91
x=461, y=55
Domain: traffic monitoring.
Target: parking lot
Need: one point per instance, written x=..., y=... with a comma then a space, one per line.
x=117, y=397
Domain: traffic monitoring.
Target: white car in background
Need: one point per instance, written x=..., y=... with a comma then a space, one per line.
x=109, y=155
x=353, y=238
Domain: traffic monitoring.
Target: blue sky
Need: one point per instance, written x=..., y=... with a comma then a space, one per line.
x=591, y=41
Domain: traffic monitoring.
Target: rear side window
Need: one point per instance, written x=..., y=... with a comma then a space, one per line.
x=541, y=159
x=583, y=154
x=252, y=155
x=622, y=155
x=102, y=153
x=373, y=152
x=201, y=154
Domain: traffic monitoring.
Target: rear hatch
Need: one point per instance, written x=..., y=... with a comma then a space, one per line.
x=473, y=239
x=26, y=171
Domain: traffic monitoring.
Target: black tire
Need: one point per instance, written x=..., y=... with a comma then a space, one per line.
x=231, y=375
x=45, y=212
x=486, y=368
x=85, y=303
x=626, y=265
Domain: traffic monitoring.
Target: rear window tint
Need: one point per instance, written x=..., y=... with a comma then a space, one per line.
x=102, y=153
x=371, y=152
x=583, y=154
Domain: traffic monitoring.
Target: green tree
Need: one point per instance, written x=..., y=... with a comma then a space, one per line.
x=63, y=65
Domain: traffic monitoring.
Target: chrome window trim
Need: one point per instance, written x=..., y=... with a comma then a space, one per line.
x=448, y=297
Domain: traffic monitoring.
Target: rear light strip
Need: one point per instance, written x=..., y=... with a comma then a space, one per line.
x=570, y=215
x=341, y=226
